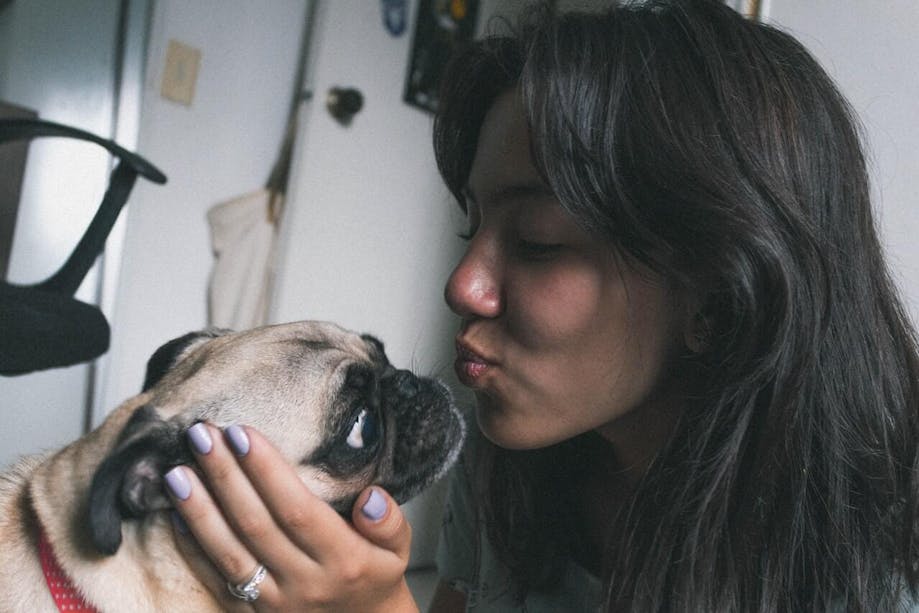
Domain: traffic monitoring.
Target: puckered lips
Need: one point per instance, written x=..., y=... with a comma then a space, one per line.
x=470, y=364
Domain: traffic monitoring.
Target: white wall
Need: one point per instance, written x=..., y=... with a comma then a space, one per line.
x=221, y=146
x=871, y=49
x=370, y=233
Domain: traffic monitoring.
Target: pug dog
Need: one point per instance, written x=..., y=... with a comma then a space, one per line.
x=328, y=398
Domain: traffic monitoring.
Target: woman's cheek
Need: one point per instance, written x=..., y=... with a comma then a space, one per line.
x=558, y=310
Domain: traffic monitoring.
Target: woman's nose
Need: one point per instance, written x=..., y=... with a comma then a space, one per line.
x=473, y=289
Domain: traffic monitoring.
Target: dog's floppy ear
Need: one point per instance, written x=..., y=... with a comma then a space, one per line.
x=128, y=483
x=170, y=354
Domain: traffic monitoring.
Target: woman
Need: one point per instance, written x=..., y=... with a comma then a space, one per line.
x=695, y=383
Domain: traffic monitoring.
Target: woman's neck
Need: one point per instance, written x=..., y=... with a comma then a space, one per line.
x=616, y=456
x=636, y=438
x=604, y=491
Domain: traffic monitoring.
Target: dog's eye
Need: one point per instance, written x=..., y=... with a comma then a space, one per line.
x=364, y=432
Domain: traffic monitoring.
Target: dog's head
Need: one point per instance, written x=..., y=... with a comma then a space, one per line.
x=327, y=398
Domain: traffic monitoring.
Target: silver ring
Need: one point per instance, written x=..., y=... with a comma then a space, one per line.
x=248, y=590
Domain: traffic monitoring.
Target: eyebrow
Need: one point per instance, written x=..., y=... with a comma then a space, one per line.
x=512, y=191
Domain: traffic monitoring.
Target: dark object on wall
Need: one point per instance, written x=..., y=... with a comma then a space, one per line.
x=344, y=103
x=440, y=27
x=13, y=163
x=395, y=14
x=42, y=325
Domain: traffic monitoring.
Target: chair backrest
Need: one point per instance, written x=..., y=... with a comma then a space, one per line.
x=42, y=325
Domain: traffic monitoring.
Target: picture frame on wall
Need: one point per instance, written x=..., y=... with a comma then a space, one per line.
x=440, y=26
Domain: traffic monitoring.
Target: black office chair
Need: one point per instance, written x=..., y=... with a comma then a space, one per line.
x=42, y=325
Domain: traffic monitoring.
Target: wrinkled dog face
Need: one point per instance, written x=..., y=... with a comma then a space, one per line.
x=326, y=397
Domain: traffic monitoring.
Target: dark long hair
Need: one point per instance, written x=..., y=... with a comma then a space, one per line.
x=717, y=152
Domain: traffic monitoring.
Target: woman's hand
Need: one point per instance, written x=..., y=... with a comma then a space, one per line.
x=255, y=510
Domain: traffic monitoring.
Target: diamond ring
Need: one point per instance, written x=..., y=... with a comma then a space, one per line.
x=248, y=590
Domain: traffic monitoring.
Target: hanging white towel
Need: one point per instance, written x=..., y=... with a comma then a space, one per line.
x=243, y=240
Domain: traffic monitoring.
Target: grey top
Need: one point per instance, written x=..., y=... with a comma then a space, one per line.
x=466, y=561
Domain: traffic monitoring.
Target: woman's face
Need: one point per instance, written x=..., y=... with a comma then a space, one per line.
x=558, y=336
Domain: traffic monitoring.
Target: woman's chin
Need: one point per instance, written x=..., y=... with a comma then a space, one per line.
x=508, y=432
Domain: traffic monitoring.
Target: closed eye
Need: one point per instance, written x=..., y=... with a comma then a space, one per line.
x=531, y=250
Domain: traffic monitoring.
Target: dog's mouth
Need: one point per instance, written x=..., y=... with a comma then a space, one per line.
x=429, y=434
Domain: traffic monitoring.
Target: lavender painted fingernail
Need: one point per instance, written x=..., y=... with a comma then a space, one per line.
x=200, y=438
x=178, y=483
x=239, y=441
x=375, y=507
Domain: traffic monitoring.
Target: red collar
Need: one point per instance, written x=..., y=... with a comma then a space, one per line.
x=65, y=595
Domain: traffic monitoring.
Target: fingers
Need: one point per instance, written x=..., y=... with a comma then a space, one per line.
x=309, y=522
x=235, y=530
x=236, y=496
x=313, y=525
x=255, y=509
x=380, y=520
x=202, y=568
x=203, y=520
